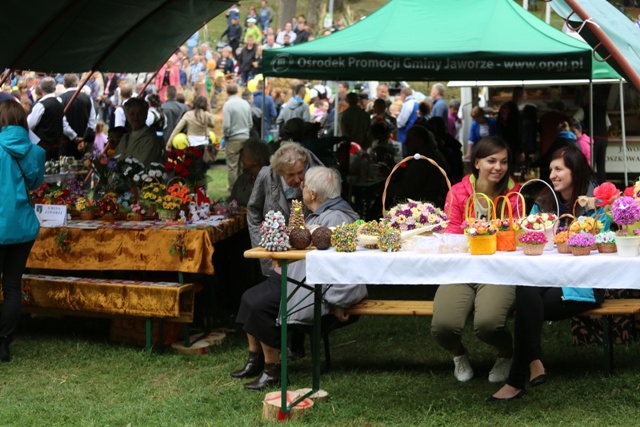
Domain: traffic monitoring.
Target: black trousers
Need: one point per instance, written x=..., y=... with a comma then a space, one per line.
x=534, y=305
x=13, y=259
x=600, y=157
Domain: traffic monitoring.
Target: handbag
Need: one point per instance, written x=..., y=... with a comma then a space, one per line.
x=506, y=238
x=210, y=153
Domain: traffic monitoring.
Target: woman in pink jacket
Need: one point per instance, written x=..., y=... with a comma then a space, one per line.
x=169, y=75
x=490, y=303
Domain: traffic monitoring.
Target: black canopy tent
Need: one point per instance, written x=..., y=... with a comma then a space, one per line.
x=106, y=35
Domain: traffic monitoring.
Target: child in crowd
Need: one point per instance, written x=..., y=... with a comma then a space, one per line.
x=100, y=140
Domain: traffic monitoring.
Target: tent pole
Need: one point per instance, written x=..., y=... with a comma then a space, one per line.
x=593, y=141
x=77, y=92
x=630, y=72
x=547, y=13
x=624, y=135
x=335, y=114
x=264, y=96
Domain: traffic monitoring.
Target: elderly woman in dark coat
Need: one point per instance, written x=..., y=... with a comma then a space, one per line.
x=260, y=305
x=276, y=186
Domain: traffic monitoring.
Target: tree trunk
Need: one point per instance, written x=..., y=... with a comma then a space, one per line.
x=286, y=11
x=338, y=6
x=314, y=20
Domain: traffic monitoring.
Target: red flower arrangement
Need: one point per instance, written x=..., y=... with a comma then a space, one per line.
x=186, y=164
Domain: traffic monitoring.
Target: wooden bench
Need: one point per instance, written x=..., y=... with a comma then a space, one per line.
x=610, y=307
x=45, y=294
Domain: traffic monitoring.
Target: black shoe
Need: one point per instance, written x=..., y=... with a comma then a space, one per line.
x=518, y=395
x=253, y=367
x=5, y=356
x=539, y=380
x=270, y=377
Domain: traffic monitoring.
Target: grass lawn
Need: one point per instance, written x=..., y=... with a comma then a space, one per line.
x=387, y=371
x=217, y=175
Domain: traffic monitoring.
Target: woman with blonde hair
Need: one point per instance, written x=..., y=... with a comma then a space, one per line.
x=198, y=122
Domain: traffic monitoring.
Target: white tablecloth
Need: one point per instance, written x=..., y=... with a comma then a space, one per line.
x=371, y=266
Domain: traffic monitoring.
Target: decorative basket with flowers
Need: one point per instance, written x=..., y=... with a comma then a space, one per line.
x=560, y=239
x=606, y=242
x=587, y=224
x=108, y=207
x=177, y=195
x=532, y=243
x=86, y=207
x=137, y=212
x=482, y=236
x=581, y=243
x=414, y=215
x=539, y=221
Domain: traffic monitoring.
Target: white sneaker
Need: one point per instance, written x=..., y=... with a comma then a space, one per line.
x=463, y=370
x=500, y=371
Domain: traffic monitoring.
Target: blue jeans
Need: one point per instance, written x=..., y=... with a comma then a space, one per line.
x=13, y=259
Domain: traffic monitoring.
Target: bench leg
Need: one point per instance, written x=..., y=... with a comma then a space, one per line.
x=607, y=344
x=149, y=334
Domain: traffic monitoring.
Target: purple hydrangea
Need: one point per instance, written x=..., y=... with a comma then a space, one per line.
x=625, y=210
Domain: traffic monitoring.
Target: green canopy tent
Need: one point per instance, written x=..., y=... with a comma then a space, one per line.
x=106, y=35
x=419, y=40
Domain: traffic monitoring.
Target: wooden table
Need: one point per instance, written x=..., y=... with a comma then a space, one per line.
x=124, y=246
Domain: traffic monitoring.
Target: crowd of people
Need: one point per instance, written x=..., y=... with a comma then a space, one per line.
x=197, y=83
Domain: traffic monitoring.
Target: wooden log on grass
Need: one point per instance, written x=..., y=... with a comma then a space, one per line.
x=272, y=406
x=318, y=396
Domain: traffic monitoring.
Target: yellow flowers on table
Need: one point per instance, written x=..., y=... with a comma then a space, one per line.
x=586, y=224
x=153, y=192
x=83, y=204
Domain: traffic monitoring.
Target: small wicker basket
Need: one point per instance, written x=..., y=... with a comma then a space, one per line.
x=607, y=248
x=532, y=249
x=580, y=250
x=563, y=248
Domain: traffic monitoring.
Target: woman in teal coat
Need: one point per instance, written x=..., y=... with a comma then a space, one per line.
x=21, y=170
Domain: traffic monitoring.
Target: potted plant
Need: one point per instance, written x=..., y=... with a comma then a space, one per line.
x=136, y=213
x=581, y=243
x=85, y=206
x=625, y=212
x=108, y=207
x=560, y=239
x=532, y=243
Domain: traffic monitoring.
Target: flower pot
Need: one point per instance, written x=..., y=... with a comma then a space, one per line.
x=86, y=215
x=532, y=249
x=482, y=245
x=607, y=248
x=563, y=248
x=167, y=215
x=628, y=246
x=580, y=250
x=135, y=217
x=109, y=218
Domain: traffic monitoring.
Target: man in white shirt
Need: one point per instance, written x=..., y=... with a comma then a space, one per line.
x=48, y=122
x=287, y=30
